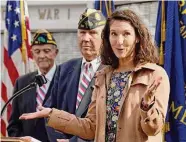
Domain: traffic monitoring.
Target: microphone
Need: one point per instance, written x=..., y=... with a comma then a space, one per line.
x=39, y=80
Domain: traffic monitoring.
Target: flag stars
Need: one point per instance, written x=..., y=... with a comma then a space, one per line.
x=17, y=10
x=8, y=21
x=9, y=7
x=14, y=37
x=16, y=24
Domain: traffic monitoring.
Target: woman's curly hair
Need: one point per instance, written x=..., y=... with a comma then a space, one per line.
x=145, y=50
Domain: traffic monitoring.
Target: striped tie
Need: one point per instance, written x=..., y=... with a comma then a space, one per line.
x=85, y=80
x=41, y=92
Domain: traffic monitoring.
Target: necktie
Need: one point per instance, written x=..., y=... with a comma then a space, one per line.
x=41, y=93
x=85, y=80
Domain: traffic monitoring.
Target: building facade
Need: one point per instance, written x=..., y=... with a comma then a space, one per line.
x=61, y=18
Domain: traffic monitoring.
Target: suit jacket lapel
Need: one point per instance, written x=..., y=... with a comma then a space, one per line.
x=29, y=98
x=32, y=97
x=50, y=88
x=73, y=83
x=32, y=94
x=87, y=97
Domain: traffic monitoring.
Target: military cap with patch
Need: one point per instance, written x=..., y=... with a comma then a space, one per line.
x=43, y=37
x=91, y=19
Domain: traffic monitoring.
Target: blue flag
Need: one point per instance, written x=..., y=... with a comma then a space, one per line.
x=106, y=6
x=171, y=40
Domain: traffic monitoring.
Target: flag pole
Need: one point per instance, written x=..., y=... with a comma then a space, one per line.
x=23, y=31
x=161, y=60
x=161, y=56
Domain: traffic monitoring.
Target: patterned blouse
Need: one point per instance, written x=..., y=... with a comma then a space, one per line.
x=117, y=84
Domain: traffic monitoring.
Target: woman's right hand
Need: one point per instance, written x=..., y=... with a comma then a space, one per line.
x=43, y=112
x=149, y=94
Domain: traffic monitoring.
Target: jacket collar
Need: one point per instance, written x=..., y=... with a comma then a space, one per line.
x=150, y=66
x=108, y=70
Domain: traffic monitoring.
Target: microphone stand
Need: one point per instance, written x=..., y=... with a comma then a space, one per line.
x=28, y=87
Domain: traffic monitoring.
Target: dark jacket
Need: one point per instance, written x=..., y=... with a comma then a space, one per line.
x=26, y=103
x=64, y=95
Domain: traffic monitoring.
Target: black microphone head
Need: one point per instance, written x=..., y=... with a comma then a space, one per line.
x=40, y=80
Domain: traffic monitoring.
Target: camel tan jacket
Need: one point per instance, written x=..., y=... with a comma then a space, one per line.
x=132, y=124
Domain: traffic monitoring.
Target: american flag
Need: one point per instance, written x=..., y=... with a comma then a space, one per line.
x=16, y=52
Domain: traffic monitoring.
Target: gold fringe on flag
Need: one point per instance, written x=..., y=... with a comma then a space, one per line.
x=166, y=128
x=163, y=34
x=23, y=32
x=108, y=7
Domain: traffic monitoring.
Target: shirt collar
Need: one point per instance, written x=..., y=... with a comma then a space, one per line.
x=95, y=63
x=50, y=74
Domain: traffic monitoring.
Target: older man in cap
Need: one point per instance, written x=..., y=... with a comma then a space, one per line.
x=44, y=50
x=72, y=86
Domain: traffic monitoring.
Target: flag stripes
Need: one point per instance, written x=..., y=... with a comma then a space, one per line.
x=13, y=65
